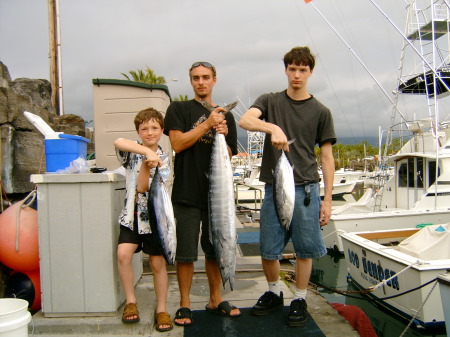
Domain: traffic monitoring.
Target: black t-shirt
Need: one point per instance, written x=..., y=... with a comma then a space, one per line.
x=191, y=167
x=308, y=121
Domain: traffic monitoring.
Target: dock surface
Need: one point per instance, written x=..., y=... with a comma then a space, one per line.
x=250, y=284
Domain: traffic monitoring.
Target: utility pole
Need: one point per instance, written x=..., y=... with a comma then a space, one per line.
x=55, y=56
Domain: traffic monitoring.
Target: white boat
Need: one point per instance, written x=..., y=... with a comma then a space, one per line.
x=418, y=192
x=251, y=191
x=413, y=196
x=344, y=175
x=401, y=267
x=444, y=288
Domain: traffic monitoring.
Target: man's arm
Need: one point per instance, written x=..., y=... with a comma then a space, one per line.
x=181, y=141
x=327, y=162
x=250, y=121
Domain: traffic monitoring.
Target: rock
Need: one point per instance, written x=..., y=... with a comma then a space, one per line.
x=5, y=78
x=70, y=124
x=22, y=145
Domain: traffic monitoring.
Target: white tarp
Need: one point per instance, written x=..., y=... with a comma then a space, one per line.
x=363, y=205
x=430, y=243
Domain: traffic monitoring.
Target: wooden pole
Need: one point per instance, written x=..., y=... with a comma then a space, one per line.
x=55, y=56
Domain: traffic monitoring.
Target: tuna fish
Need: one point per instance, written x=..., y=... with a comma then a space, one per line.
x=162, y=220
x=284, y=190
x=222, y=212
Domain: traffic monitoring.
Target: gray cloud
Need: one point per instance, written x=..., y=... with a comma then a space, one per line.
x=245, y=40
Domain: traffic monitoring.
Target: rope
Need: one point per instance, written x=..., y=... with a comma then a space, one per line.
x=22, y=204
x=367, y=291
x=383, y=282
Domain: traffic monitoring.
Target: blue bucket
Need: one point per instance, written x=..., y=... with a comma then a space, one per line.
x=60, y=152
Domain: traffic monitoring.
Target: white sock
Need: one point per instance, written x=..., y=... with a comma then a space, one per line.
x=300, y=294
x=275, y=288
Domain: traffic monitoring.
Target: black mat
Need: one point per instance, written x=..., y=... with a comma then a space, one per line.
x=274, y=324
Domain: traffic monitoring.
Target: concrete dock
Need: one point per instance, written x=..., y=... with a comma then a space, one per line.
x=250, y=284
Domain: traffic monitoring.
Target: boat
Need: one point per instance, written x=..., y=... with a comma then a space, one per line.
x=400, y=267
x=418, y=189
x=250, y=192
x=444, y=288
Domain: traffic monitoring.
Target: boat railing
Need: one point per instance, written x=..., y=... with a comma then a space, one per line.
x=257, y=193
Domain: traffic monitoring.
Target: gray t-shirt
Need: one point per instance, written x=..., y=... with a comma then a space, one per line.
x=308, y=121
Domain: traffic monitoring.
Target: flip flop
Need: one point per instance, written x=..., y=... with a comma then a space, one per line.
x=183, y=313
x=223, y=309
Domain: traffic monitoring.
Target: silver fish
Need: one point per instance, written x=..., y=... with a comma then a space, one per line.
x=162, y=220
x=284, y=190
x=222, y=212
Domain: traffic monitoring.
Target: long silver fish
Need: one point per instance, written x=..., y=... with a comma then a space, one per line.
x=284, y=190
x=162, y=220
x=222, y=212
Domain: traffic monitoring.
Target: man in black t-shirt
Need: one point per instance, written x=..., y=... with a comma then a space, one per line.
x=191, y=128
x=293, y=114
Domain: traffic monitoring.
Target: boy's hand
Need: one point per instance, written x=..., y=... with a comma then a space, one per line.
x=279, y=139
x=152, y=159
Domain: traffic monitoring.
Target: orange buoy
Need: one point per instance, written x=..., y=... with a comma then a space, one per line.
x=25, y=285
x=19, y=244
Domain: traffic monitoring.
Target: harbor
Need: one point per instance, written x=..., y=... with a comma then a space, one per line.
x=387, y=271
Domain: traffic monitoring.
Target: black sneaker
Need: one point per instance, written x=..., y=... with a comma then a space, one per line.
x=267, y=303
x=298, y=313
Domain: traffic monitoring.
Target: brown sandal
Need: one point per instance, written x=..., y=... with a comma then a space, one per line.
x=130, y=310
x=163, y=318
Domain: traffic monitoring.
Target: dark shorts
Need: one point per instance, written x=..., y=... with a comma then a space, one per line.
x=188, y=220
x=145, y=242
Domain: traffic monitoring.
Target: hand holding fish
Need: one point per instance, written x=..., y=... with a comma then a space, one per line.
x=152, y=159
x=216, y=117
x=222, y=128
x=279, y=139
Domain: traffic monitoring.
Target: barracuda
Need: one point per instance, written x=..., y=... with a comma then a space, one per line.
x=284, y=190
x=222, y=211
x=162, y=220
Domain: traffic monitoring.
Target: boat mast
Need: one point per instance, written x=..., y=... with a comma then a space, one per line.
x=55, y=56
x=427, y=24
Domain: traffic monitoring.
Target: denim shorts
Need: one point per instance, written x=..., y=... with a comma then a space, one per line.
x=304, y=230
x=188, y=220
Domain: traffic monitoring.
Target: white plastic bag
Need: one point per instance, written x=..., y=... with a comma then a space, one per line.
x=78, y=165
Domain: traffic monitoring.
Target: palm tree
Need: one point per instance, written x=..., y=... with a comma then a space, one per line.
x=147, y=76
x=181, y=98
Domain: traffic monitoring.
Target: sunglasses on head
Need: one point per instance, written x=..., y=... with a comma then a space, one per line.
x=205, y=64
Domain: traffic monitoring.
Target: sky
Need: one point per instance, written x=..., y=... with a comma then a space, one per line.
x=355, y=45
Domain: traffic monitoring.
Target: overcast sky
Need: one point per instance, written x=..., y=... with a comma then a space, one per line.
x=245, y=40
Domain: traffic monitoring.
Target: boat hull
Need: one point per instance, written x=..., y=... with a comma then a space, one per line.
x=369, y=263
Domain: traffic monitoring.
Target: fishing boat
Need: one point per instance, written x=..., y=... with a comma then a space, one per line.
x=251, y=191
x=400, y=267
x=444, y=288
x=418, y=191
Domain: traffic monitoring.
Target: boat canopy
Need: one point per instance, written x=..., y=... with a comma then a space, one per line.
x=430, y=243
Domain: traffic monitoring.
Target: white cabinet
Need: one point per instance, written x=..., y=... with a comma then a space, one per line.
x=78, y=232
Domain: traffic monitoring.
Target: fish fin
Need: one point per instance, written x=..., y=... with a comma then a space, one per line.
x=210, y=107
